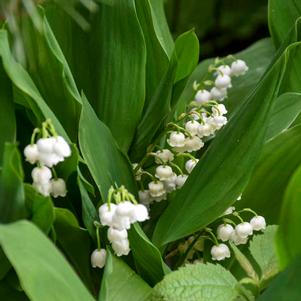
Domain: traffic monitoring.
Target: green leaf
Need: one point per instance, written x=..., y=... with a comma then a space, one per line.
x=105, y=161
x=12, y=199
x=286, y=109
x=282, y=16
x=286, y=286
x=41, y=211
x=120, y=283
x=204, y=282
x=263, y=250
x=7, y=114
x=279, y=159
x=226, y=167
x=288, y=236
x=43, y=272
x=147, y=257
x=122, y=59
x=187, y=50
x=26, y=92
x=75, y=242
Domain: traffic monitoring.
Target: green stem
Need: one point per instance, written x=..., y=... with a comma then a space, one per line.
x=176, y=167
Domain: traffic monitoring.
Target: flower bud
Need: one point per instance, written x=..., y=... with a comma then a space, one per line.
x=190, y=164
x=98, y=258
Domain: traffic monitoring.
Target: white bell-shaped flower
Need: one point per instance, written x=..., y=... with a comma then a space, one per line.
x=239, y=67
x=121, y=247
x=190, y=164
x=219, y=94
x=223, y=81
x=106, y=213
x=116, y=234
x=238, y=240
x=192, y=127
x=176, y=139
x=258, y=223
x=244, y=229
x=170, y=183
x=50, y=159
x=140, y=214
x=163, y=172
x=202, y=96
x=144, y=197
x=164, y=156
x=31, y=153
x=125, y=208
x=41, y=175
x=45, y=145
x=156, y=189
x=224, y=232
x=219, y=110
x=220, y=252
x=43, y=188
x=61, y=147
x=58, y=188
x=217, y=122
x=193, y=144
x=98, y=258
x=180, y=181
x=224, y=69
x=121, y=222
x=205, y=129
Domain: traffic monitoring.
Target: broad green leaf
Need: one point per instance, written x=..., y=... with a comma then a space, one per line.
x=280, y=157
x=40, y=208
x=8, y=293
x=75, y=242
x=286, y=286
x=7, y=114
x=147, y=257
x=257, y=56
x=27, y=93
x=43, y=272
x=286, y=109
x=263, y=250
x=226, y=167
x=105, y=161
x=157, y=59
x=12, y=199
x=155, y=115
x=282, y=16
x=204, y=282
x=50, y=72
x=122, y=59
x=120, y=283
x=288, y=235
x=187, y=50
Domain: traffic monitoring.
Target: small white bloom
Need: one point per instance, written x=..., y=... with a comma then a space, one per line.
x=164, y=156
x=98, y=258
x=163, y=172
x=159, y=198
x=176, y=139
x=50, y=159
x=181, y=149
x=220, y=252
x=58, y=188
x=190, y=164
x=121, y=247
x=219, y=110
x=61, y=147
x=205, y=129
x=224, y=232
x=193, y=144
x=239, y=67
x=45, y=145
x=258, y=223
x=217, y=122
x=31, y=153
x=192, y=127
x=144, y=197
x=121, y=222
x=244, y=229
x=202, y=96
x=222, y=81
x=41, y=175
x=238, y=240
x=180, y=181
x=140, y=213
x=43, y=188
x=156, y=189
x=116, y=234
x=230, y=210
x=219, y=94
x=170, y=183
x=106, y=213
x=125, y=208
x=224, y=69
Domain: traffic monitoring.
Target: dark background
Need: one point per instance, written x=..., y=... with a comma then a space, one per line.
x=223, y=26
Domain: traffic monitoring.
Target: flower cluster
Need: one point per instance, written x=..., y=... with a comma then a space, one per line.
x=49, y=150
x=235, y=233
x=119, y=217
x=203, y=117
